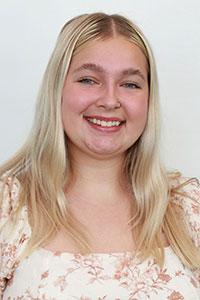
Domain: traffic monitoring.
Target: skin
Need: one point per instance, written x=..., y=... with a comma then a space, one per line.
x=102, y=81
x=98, y=91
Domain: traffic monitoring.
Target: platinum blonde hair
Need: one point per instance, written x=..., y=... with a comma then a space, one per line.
x=42, y=165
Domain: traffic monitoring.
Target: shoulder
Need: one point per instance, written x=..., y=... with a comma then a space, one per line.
x=14, y=232
x=13, y=215
x=9, y=193
x=185, y=194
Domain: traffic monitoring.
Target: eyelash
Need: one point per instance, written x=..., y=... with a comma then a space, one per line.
x=87, y=81
x=131, y=85
x=90, y=81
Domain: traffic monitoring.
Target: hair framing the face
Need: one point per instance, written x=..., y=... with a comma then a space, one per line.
x=42, y=165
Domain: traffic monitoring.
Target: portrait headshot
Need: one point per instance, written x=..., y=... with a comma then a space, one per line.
x=99, y=166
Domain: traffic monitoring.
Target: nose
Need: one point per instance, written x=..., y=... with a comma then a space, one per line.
x=109, y=99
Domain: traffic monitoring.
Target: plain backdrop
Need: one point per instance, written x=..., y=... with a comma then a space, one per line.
x=28, y=31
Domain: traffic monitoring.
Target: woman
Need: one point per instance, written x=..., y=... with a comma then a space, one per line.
x=88, y=211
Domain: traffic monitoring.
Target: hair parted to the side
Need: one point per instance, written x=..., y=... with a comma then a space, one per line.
x=42, y=165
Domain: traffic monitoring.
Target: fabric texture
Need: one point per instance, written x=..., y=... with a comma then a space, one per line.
x=46, y=275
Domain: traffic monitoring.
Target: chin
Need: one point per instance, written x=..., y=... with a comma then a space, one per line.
x=104, y=151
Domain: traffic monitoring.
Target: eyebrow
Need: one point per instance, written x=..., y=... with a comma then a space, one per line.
x=132, y=71
x=99, y=69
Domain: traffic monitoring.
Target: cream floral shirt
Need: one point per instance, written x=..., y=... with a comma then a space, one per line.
x=47, y=275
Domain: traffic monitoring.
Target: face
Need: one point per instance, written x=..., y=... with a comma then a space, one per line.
x=105, y=98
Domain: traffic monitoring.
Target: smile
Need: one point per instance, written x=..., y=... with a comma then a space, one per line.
x=104, y=123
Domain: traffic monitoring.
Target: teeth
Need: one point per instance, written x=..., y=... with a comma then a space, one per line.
x=98, y=122
x=104, y=123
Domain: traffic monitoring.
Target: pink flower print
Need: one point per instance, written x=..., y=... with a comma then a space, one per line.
x=61, y=283
x=179, y=273
x=164, y=277
x=175, y=296
x=45, y=275
x=117, y=275
x=195, y=209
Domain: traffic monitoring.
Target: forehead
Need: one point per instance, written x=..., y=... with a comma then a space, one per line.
x=112, y=53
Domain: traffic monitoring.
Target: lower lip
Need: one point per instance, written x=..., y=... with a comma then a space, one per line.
x=105, y=128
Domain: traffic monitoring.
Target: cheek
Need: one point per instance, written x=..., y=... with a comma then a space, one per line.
x=70, y=108
x=138, y=111
x=75, y=102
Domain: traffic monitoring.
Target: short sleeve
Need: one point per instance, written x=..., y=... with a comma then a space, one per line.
x=12, y=238
x=187, y=197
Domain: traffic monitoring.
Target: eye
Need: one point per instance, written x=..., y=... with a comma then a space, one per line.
x=130, y=85
x=87, y=81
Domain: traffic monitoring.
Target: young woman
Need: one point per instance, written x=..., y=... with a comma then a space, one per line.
x=88, y=210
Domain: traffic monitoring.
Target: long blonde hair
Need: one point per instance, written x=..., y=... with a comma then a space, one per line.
x=42, y=164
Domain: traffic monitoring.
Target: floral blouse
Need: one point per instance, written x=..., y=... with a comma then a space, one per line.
x=46, y=275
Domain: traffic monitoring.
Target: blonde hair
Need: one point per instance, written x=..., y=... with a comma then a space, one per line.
x=42, y=164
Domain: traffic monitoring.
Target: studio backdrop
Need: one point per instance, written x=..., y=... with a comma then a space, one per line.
x=28, y=31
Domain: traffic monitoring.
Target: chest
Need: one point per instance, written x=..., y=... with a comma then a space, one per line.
x=108, y=230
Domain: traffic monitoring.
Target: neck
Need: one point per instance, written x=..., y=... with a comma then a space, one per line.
x=97, y=180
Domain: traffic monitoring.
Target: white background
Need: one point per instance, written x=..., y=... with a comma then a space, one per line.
x=28, y=30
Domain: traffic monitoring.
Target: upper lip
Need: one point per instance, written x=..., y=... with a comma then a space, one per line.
x=101, y=118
